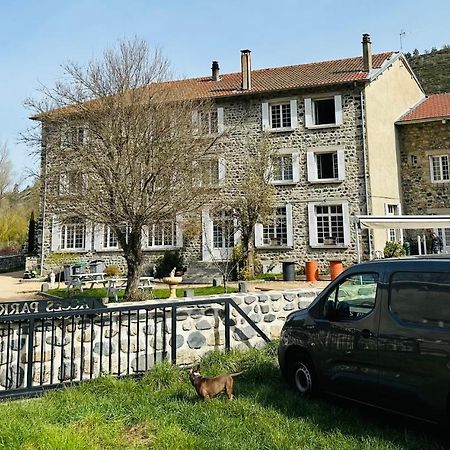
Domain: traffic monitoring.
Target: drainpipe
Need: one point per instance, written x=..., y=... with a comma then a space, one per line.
x=366, y=176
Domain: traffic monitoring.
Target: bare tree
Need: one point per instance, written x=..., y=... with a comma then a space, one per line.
x=119, y=146
x=5, y=169
x=255, y=197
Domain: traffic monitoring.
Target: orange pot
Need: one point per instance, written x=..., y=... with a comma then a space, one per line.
x=312, y=271
x=336, y=268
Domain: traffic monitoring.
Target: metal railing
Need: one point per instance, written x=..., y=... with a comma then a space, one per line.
x=45, y=350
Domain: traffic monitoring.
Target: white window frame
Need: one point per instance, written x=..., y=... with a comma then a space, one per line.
x=312, y=166
x=221, y=171
x=267, y=114
x=197, y=125
x=310, y=120
x=441, y=172
x=393, y=234
x=259, y=231
x=177, y=241
x=294, y=155
x=312, y=222
x=57, y=234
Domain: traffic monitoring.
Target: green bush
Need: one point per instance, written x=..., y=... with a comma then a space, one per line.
x=170, y=260
x=393, y=250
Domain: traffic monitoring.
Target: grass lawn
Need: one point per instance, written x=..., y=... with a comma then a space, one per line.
x=161, y=411
x=157, y=293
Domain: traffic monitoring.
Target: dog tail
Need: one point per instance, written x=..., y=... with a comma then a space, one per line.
x=237, y=373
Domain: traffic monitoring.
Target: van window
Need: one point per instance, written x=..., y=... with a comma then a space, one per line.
x=354, y=297
x=421, y=298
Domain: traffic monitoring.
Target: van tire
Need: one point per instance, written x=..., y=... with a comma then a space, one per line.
x=303, y=378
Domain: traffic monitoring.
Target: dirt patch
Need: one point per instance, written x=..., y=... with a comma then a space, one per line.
x=13, y=287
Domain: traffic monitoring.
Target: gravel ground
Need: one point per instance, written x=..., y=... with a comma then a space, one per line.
x=13, y=287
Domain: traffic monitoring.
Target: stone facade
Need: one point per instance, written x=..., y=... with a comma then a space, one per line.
x=8, y=263
x=126, y=343
x=418, y=142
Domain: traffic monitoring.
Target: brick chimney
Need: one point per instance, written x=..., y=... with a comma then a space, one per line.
x=367, y=52
x=246, y=70
x=215, y=71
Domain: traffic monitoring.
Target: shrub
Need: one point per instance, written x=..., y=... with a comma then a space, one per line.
x=112, y=271
x=393, y=250
x=170, y=260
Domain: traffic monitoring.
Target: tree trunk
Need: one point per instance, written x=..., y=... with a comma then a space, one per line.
x=135, y=257
x=251, y=259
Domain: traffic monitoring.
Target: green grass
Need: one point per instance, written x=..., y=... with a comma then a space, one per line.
x=162, y=411
x=157, y=293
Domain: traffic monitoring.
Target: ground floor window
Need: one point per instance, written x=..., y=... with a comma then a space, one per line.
x=109, y=238
x=329, y=224
x=277, y=231
x=162, y=234
x=72, y=236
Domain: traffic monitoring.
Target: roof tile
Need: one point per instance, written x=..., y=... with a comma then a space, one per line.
x=433, y=107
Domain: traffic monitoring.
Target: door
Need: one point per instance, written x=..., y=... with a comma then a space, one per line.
x=347, y=338
x=219, y=235
x=414, y=343
x=444, y=234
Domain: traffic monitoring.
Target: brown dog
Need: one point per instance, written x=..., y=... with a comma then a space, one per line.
x=208, y=388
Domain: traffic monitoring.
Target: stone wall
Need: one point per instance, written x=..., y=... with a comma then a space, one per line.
x=13, y=262
x=128, y=345
x=420, y=195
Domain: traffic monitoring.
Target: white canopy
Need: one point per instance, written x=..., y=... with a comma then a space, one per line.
x=403, y=222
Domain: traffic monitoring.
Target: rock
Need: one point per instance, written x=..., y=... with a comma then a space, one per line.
x=203, y=325
x=288, y=307
x=265, y=309
x=179, y=341
x=269, y=318
x=249, y=299
x=196, y=340
x=244, y=334
x=105, y=348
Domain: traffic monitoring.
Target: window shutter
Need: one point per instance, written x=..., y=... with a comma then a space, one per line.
x=56, y=235
x=346, y=221
x=207, y=234
x=265, y=117
x=220, y=123
x=294, y=120
x=431, y=169
x=295, y=167
x=308, y=113
x=341, y=164
x=338, y=109
x=195, y=124
x=98, y=236
x=222, y=170
x=178, y=231
x=311, y=166
x=289, y=225
x=312, y=225
x=88, y=236
x=237, y=232
x=258, y=235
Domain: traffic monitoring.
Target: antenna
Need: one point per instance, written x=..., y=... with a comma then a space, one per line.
x=402, y=33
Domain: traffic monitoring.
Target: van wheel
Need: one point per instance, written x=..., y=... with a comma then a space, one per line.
x=303, y=378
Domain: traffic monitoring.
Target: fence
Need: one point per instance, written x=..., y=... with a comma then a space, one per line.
x=72, y=343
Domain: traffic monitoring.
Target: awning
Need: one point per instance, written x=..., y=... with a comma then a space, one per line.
x=405, y=222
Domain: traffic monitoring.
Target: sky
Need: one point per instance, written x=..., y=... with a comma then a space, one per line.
x=38, y=37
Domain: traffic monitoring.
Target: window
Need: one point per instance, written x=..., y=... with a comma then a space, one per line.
x=71, y=182
x=354, y=297
x=210, y=172
x=439, y=168
x=279, y=115
x=325, y=165
x=413, y=160
x=223, y=229
x=72, y=236
x=73, y=137
x=278, y=229
x=323, y=112
x=208, y=122
x=328, y=224
x=109, y=238
x=421, y=298
x=285, y=167
x=393, y=235
x=162, y=234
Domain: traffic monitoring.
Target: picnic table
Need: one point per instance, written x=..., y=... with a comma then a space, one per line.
x=79, y=280
x=116, y=284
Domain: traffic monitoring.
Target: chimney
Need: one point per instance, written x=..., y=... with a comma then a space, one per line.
x=367, y=52
x=246, y=69
x=215, y=71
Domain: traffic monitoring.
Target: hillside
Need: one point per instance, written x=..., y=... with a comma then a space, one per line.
x=432, y=68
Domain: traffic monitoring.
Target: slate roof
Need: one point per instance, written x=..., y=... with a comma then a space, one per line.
x=434, y=107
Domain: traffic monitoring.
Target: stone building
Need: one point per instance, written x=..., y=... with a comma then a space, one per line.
x=332, y=126
x=424, y=136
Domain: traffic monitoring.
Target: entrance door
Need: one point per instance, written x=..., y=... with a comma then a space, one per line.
x=219, y=235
